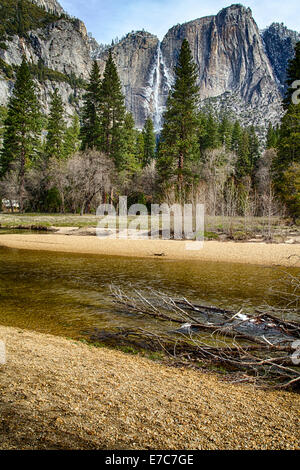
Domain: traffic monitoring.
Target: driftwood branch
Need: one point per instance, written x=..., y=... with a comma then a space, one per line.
x=260, y=346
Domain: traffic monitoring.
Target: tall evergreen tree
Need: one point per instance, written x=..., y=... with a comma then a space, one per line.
x=236, y=137
x=3, y=116
x=243, y=164
x=56, y=128
x=272, y=137
x=211, y=138
x=225, y=132
x=129, y=163
x=90, y=121
x=149, y=142
x=20, y=18
x=139, y=148
x=293, y=74
x=71, y=139
x=112, y=112
x=288, y=155
x=254, y=148
x=22, y=129
x=179, y=145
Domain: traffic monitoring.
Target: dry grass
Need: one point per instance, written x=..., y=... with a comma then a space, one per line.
x=215, y=226
x=58, y=394
x=47, y=220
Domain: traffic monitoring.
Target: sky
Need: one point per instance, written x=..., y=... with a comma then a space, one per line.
x=108, y=19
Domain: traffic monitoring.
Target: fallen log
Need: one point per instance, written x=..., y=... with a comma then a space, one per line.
x=270, y=356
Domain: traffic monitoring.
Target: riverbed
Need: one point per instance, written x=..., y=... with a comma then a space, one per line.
x=68, y=294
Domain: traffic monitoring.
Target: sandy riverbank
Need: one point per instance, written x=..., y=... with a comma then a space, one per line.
x=58, y=394
x=251, y=253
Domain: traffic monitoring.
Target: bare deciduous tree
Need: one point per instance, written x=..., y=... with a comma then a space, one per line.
x=90, y=175
x=9, y=189
x=218, y=168
x=268, y=205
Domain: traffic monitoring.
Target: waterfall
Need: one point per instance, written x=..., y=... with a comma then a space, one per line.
x=159, y=84
x=157, y=114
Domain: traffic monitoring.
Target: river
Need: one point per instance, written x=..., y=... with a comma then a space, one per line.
x=68, y=294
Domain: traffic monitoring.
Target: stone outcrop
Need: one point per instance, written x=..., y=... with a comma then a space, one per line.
x=235, y=73
x=228, y=51
x=61, y=46
x=135, y=57
x=49, y=5
x=279, y=45
x=241, y=70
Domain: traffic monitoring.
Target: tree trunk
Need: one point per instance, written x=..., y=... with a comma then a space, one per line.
x=112, y=195
x=180, y=168
x=22, y=182
x=180, y=177
x=62, y=203
x=82, y=208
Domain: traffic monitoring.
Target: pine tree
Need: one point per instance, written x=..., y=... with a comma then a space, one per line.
x=149, y=142
x=22, y=129
x=90, y=121
x=112, y=112
x=179, y=144
x=293, y=74
x=139, y=148
x=20, y=18
x=3, y=116
x=56, y=128
x=289, y=140
x=236, y=137
x=243, y=164
x=210, y=139
x=291, y=190
x=129, y=162
x=71, y=139
x=288, y=155
x=272, y=137
x=254, y=148
x=225, y=132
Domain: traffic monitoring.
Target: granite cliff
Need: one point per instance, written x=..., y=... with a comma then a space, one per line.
x=279, y=44
x=235, y=72
x=241, y=70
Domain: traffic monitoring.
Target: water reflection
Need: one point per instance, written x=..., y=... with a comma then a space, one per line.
x=68, y=294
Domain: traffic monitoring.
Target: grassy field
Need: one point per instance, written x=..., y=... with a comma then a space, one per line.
x=216, y=228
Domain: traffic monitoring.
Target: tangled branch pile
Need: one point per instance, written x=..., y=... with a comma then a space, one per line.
x=259, y=347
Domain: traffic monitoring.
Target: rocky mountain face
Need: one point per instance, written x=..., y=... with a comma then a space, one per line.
x=49, y=5
x=62, y=47
x=279, y=45
x=241, y=70
x=135, y=57
x=96, y=49
x=235, y=73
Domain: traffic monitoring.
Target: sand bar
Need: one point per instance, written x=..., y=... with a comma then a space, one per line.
x=59, y=394
x=251, y=253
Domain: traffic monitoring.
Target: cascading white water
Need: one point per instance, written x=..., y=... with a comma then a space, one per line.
x=159, y=84
x=156, y=92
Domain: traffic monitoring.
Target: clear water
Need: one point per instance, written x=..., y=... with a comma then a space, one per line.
x=68, y=294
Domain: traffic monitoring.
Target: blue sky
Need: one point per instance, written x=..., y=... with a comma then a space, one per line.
x=107, y=19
